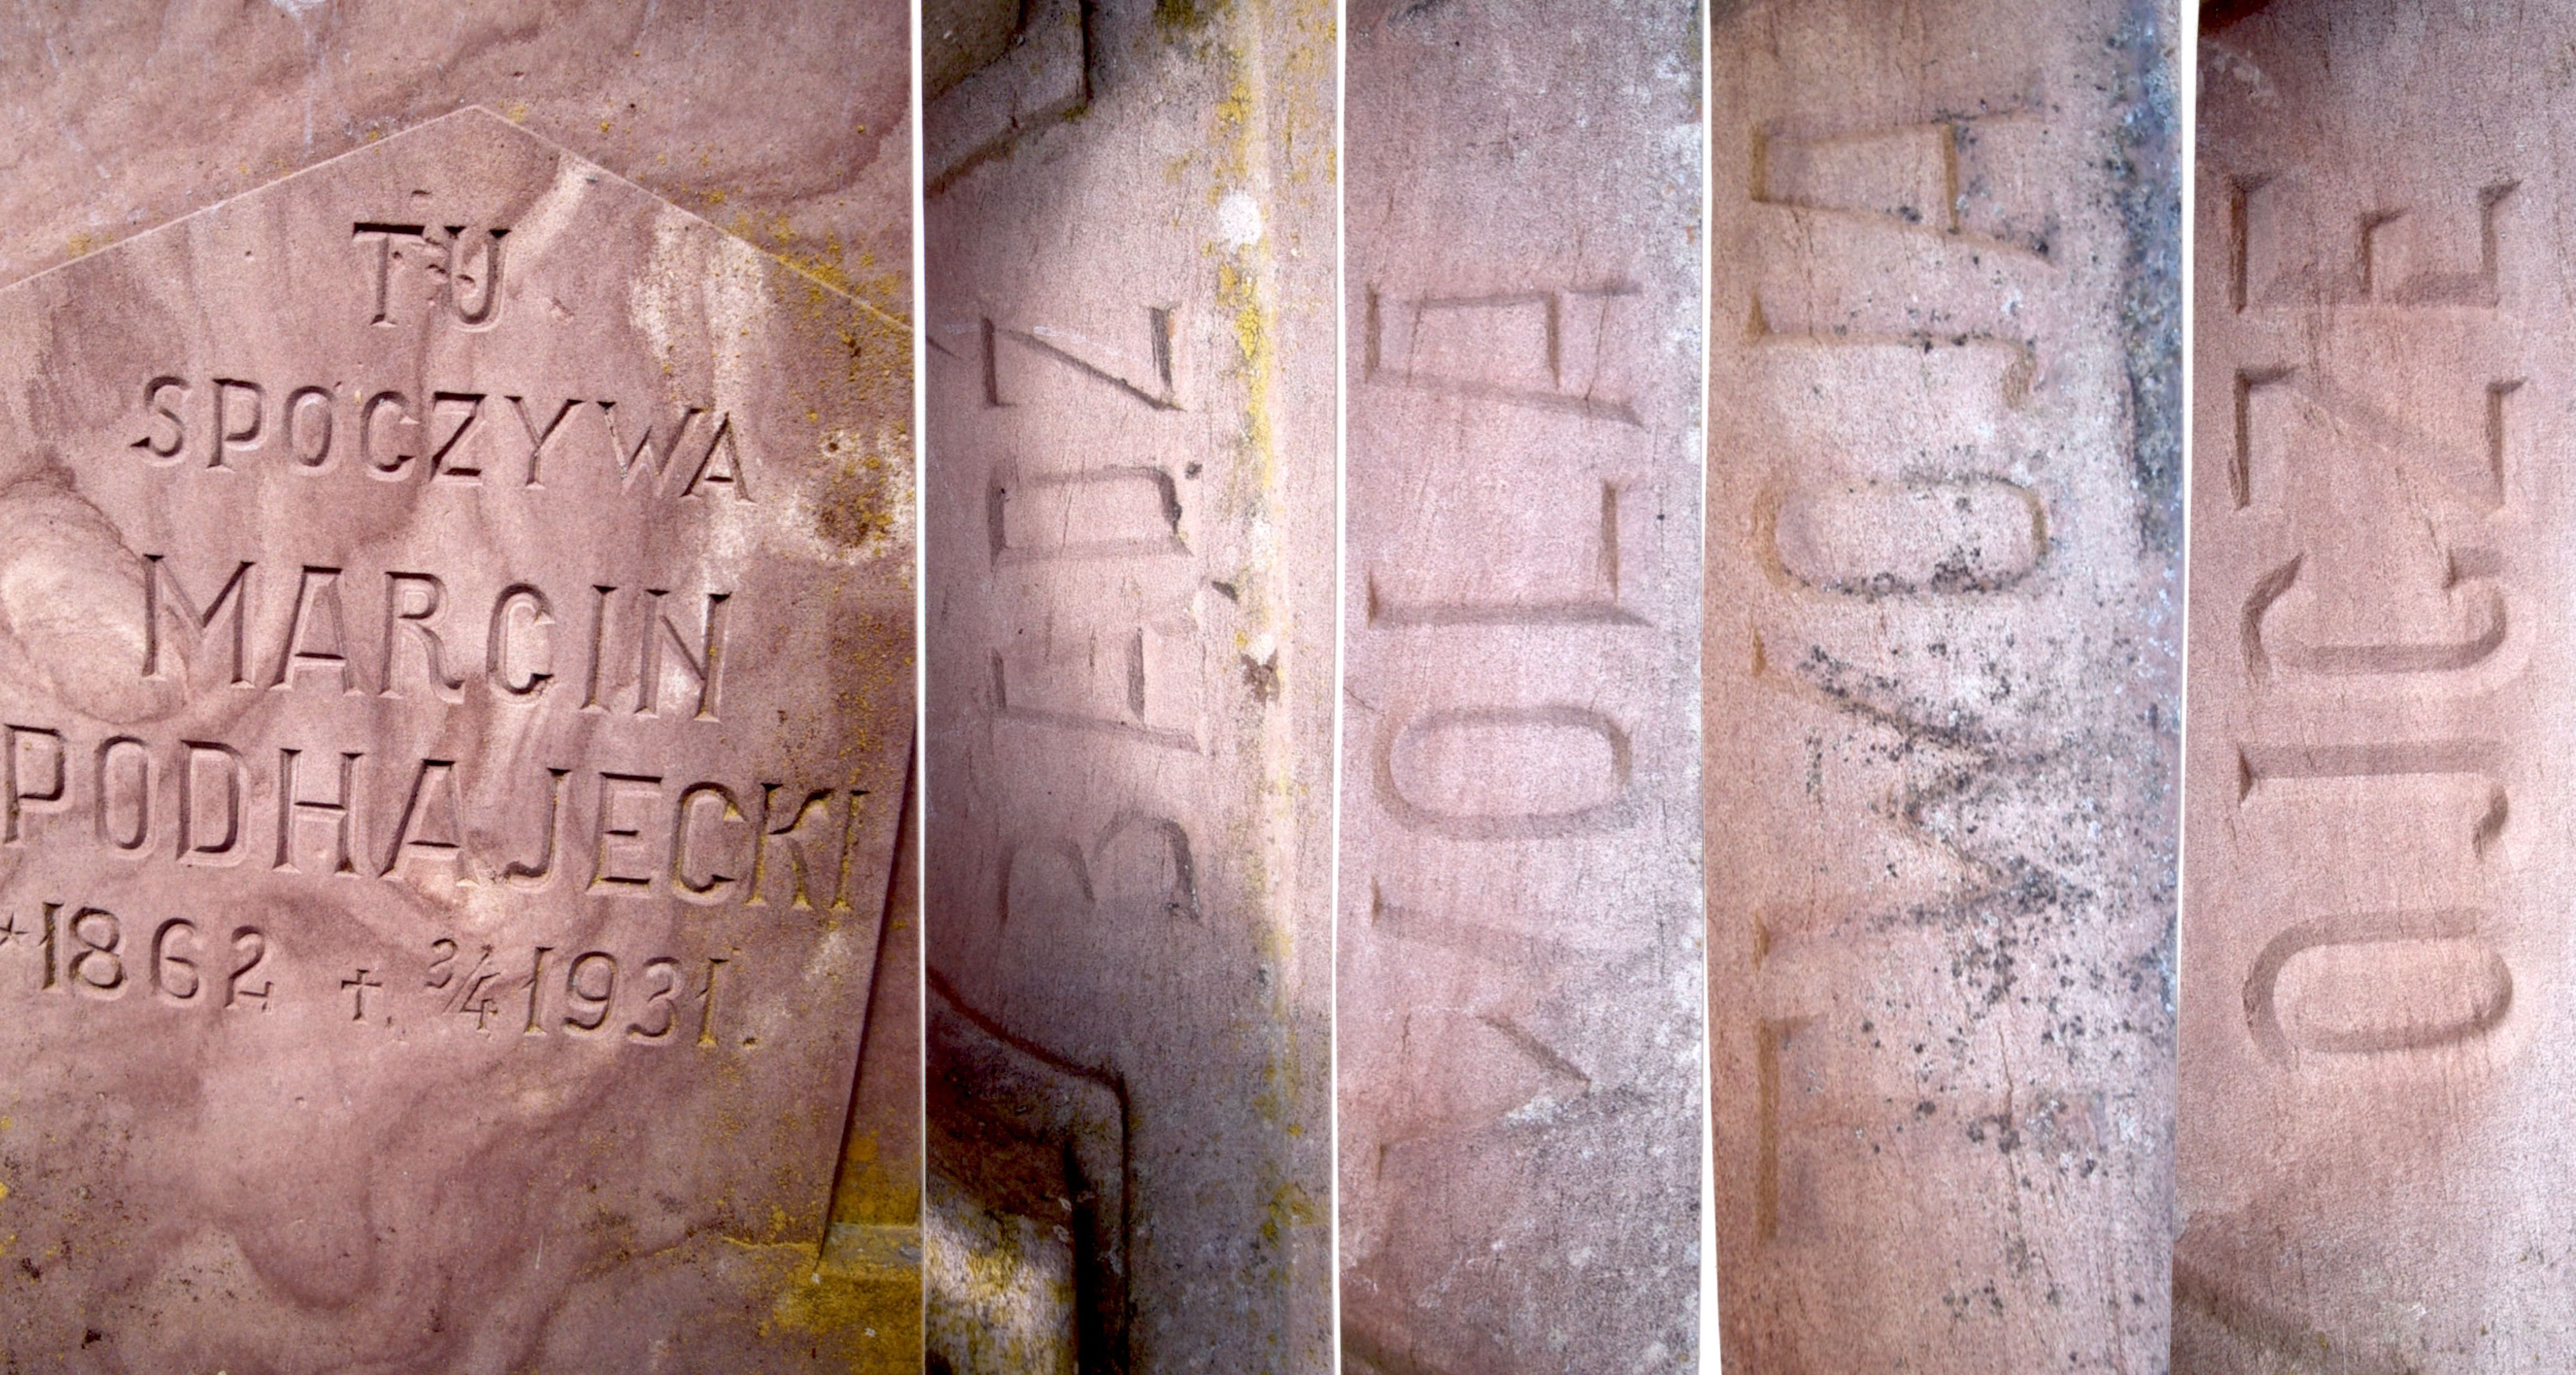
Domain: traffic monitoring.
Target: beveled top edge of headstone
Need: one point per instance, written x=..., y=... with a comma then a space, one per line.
x=466, y=114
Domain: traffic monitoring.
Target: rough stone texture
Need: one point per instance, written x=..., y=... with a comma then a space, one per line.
x=1130, y=621
x=1521, y=933
x=116, y=118
x=455, y=602
x=1943, y=607
x=2373, y=1082
x=782, y=121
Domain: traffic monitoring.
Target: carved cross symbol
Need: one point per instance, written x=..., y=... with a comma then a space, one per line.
x=9, y=928
x=358, y=986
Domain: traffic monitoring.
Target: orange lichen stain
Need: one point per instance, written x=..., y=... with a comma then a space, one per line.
x=517, y=113
x=4, y=1193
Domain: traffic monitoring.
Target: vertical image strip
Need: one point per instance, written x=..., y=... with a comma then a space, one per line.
x=1129, y=598
x=1942, y=679
x=2373, y=940
x=1520, y=936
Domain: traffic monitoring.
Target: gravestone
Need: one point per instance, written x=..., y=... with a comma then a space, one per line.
x=2375, y=966
x=456, y=701
x=1129, y=525
x=1944, y=581
x=1521, y=935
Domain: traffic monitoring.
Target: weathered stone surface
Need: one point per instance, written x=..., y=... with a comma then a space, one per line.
x=1129, y=515
x=1520, y=932
x=119, y=118
x=456, y=687
x=2374, y=1069
x=783, y=122
x=1943, y=583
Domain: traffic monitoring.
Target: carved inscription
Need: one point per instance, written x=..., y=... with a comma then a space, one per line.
x=2329, y=615
x=455, y=679
x=640, y=652
x=463, y=438
x=1940, y=680
x=2372, y=957
x=1519, y=947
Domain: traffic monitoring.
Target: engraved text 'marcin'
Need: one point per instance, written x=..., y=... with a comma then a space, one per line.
x=417, y=647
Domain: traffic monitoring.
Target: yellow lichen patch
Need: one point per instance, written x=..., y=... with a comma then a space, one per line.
x=1290, y=1208
x=856, y=1304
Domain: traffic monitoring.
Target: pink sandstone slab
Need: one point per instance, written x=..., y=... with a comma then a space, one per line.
x=122, y=117
x=2374, y=977
x=1129, y=516
x=1520, y=922
x=784, y=122
x=1944, y=573
x=456, y=704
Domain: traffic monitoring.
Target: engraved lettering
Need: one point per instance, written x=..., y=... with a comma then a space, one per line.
x=133, y=839
x=498, y=664
x=406, y=426
x=584, y=1009
x=2376, y=983
x=292, y=806
x=663, y=1000
x=464, y=408
x=1115, y=512
x=225, y=848
x=250, y=948
x=609, y=872
x=656, y=441
x=433, y=818
x=309, y=446
x=541, y=874
x=316, y=634
x=47, y=762
x=691, y=888
x=590, y=700
x=1945, y=536
x=1507, y=772
x=536, y=986
x=764, y=833
x=1594, y=604
x=487, y=310
x=1543, y=349
x=1155, y=383
x=97, y=967
x=384, y=235
x=228, y=435
x=731, y=475
x=174, y=975
x=161, y=587
x=155, y=405
x=705, y=666
x=429, y=592
x=537, y=437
